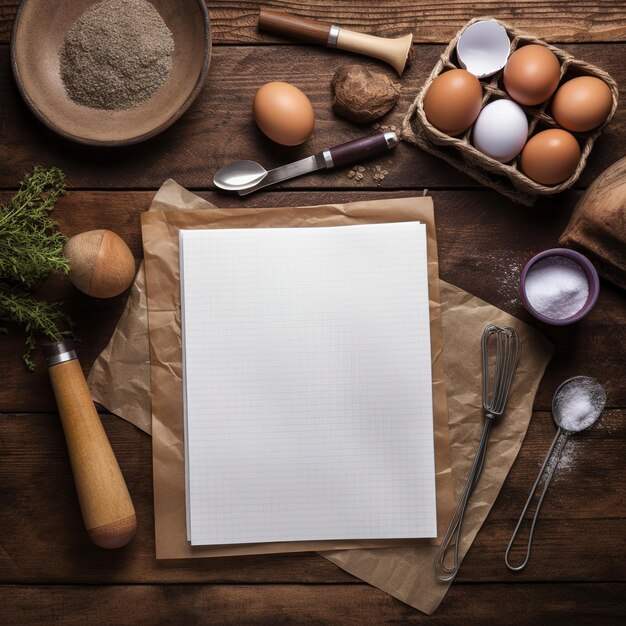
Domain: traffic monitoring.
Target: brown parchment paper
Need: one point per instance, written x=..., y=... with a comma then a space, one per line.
x=405, y=573
x=160, y=231
x=119, y=378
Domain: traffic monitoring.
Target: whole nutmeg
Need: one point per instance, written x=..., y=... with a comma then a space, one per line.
x=101, y=264
x=362, y=95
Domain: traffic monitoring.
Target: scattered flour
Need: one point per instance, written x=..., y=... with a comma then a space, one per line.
x=507, y=275
x=566, y=462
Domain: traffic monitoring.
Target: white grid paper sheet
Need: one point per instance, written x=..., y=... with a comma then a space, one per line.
x=308, y=390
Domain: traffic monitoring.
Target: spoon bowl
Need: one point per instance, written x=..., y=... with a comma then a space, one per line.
x=578, y=403
x=239, y=175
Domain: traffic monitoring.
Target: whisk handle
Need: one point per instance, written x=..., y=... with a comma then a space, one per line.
x=546, y=484
x=440, y=570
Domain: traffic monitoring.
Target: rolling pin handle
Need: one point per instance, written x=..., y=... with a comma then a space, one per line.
x=105, y=503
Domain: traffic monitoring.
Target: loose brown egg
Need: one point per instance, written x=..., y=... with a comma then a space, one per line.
x=531, y=74
x=101, y=264
x=550, y=157
x=283, y=113
x=452, y=102
x=582, y=104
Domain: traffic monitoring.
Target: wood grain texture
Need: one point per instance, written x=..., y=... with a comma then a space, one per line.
x=219, y=128
x=35, y=478
x=8, y=9
x=233, y=23
x=483, y=239
x=105, y=504
x=51, y=573
x=294, y=27
x=351, y=605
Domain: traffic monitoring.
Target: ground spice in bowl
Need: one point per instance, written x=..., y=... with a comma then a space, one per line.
x=116, y=55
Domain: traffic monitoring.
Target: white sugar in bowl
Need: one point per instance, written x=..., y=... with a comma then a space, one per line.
x=501, y=130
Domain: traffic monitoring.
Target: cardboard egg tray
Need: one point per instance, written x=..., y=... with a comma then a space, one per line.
x=459, y=151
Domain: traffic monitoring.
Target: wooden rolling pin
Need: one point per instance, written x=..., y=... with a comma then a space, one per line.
x=107, y=509
x=393, y=51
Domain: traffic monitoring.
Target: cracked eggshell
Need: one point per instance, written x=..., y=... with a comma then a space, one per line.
x=483, y=48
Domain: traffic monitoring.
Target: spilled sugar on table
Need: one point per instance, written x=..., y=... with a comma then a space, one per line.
x=51, y=573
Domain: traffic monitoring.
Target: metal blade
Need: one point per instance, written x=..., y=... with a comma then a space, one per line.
x=291, y=170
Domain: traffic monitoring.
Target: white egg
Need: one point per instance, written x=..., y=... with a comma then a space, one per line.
x=501, y=130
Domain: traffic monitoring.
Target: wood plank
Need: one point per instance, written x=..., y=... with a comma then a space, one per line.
x=583, y=604
x=232, y=23
x=587, y=499
x=219, y=128
x=35, y=478
x=484, y=240
x=569, y=521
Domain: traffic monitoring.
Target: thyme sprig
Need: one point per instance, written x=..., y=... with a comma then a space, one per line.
x=31, y=247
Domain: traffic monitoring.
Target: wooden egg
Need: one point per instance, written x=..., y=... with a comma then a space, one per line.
x=101, y=264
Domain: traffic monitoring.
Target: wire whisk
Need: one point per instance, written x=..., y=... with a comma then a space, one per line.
x=500, y=355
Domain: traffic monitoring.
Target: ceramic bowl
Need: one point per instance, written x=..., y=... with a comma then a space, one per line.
x=592, y=280
x=38, y=33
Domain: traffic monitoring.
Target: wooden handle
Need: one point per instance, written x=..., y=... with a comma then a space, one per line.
x=107, y=509
x=293, y=26
x=393, y=51
x=361, y=149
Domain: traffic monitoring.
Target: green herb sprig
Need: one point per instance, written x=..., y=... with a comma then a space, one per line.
x=31, y=247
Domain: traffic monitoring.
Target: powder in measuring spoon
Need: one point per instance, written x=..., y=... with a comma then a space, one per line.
x=116, y=55
x=556, y=287
x=577, y=406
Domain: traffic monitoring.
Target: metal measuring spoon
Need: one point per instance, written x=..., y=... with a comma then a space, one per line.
x=576, y=405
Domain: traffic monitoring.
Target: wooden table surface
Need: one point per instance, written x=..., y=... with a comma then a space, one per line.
x=50, y=573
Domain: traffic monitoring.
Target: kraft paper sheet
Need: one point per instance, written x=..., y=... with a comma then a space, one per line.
x=405, y=572
x=160, y=231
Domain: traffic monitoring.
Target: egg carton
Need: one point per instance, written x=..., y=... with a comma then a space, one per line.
x=459, y=152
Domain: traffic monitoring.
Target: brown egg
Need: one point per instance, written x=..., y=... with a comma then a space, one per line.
x=550, y=157
x=582, y=104
x=452, y=102
x=283, y=113
x=531, y=74
x=101, y=264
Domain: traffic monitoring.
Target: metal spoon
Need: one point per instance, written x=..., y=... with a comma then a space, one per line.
x=239, y=175
x=577, y=405
x=248, y=176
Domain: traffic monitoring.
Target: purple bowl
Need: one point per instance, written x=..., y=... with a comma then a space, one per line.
x=592, y=279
